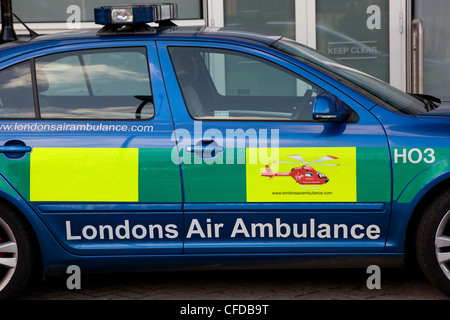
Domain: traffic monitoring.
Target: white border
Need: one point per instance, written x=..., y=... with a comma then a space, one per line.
x=397, y=43
x=305, y=22
x=216, y=13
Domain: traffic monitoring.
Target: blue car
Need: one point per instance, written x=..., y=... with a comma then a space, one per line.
x=138, y=147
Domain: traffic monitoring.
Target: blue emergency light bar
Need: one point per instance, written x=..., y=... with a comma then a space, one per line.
x=123, y=15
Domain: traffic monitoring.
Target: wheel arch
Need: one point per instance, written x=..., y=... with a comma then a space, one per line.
x=417, y=214
x=16, y=205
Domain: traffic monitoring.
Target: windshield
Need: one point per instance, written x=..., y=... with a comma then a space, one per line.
x=393, y=98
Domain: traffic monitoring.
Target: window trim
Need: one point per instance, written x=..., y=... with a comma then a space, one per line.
x=37, y=109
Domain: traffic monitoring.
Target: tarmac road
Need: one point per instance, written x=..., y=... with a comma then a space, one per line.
x=336, y=284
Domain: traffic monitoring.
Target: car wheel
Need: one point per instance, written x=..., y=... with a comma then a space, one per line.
x=16, y=254
x=433, y=242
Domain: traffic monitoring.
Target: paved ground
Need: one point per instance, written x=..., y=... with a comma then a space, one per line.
x=240, y=285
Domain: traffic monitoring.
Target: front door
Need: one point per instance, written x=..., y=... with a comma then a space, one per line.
x=259, y=175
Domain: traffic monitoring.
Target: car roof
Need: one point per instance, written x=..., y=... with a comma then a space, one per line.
x=11, y=49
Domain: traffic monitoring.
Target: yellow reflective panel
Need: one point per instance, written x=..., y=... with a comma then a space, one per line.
x=84, y=174
x=302, y=175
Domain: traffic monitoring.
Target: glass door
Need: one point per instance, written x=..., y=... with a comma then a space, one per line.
x=276, y=17
x=430, y=48
x=355, y=33
x=369, y=35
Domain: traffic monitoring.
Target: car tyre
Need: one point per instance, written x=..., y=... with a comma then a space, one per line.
x=433, y=242
x=16, y=253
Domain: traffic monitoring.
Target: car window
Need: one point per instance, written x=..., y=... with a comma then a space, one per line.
x=16, y=93
x=109, y=83
x=220, y=84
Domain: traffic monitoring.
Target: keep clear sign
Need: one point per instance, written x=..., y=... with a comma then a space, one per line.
x=356, y=33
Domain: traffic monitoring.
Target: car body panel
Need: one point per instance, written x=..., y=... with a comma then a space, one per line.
x=167, y=208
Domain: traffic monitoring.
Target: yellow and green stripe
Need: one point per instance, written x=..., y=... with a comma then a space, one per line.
x=148, y=175
x=95, y=175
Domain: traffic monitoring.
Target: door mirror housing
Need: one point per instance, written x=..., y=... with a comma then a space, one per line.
x=329, y=108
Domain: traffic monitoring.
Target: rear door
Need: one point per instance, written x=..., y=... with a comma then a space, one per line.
x=259, y=175
x=86, y=140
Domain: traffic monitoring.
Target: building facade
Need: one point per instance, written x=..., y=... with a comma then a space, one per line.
x=403, y=42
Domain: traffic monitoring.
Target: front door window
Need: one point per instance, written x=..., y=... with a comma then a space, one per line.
x=227, y=85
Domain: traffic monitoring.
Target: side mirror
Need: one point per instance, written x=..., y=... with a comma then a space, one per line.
x=329, y=108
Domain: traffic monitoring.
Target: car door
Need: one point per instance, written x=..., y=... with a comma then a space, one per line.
x=258, y=174
x=86, y=141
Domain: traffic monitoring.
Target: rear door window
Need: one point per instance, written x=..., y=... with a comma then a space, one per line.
x=111, y=83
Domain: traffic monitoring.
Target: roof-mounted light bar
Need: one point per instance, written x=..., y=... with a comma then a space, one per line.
x=137, y=14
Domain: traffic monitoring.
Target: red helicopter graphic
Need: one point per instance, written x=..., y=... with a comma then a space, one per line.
x=304, y=175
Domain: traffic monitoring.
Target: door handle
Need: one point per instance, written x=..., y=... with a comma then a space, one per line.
x=15, y=149
x=205, y=149
x=194, y=149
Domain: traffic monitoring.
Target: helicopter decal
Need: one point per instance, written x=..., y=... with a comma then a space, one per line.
x=306, y=174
